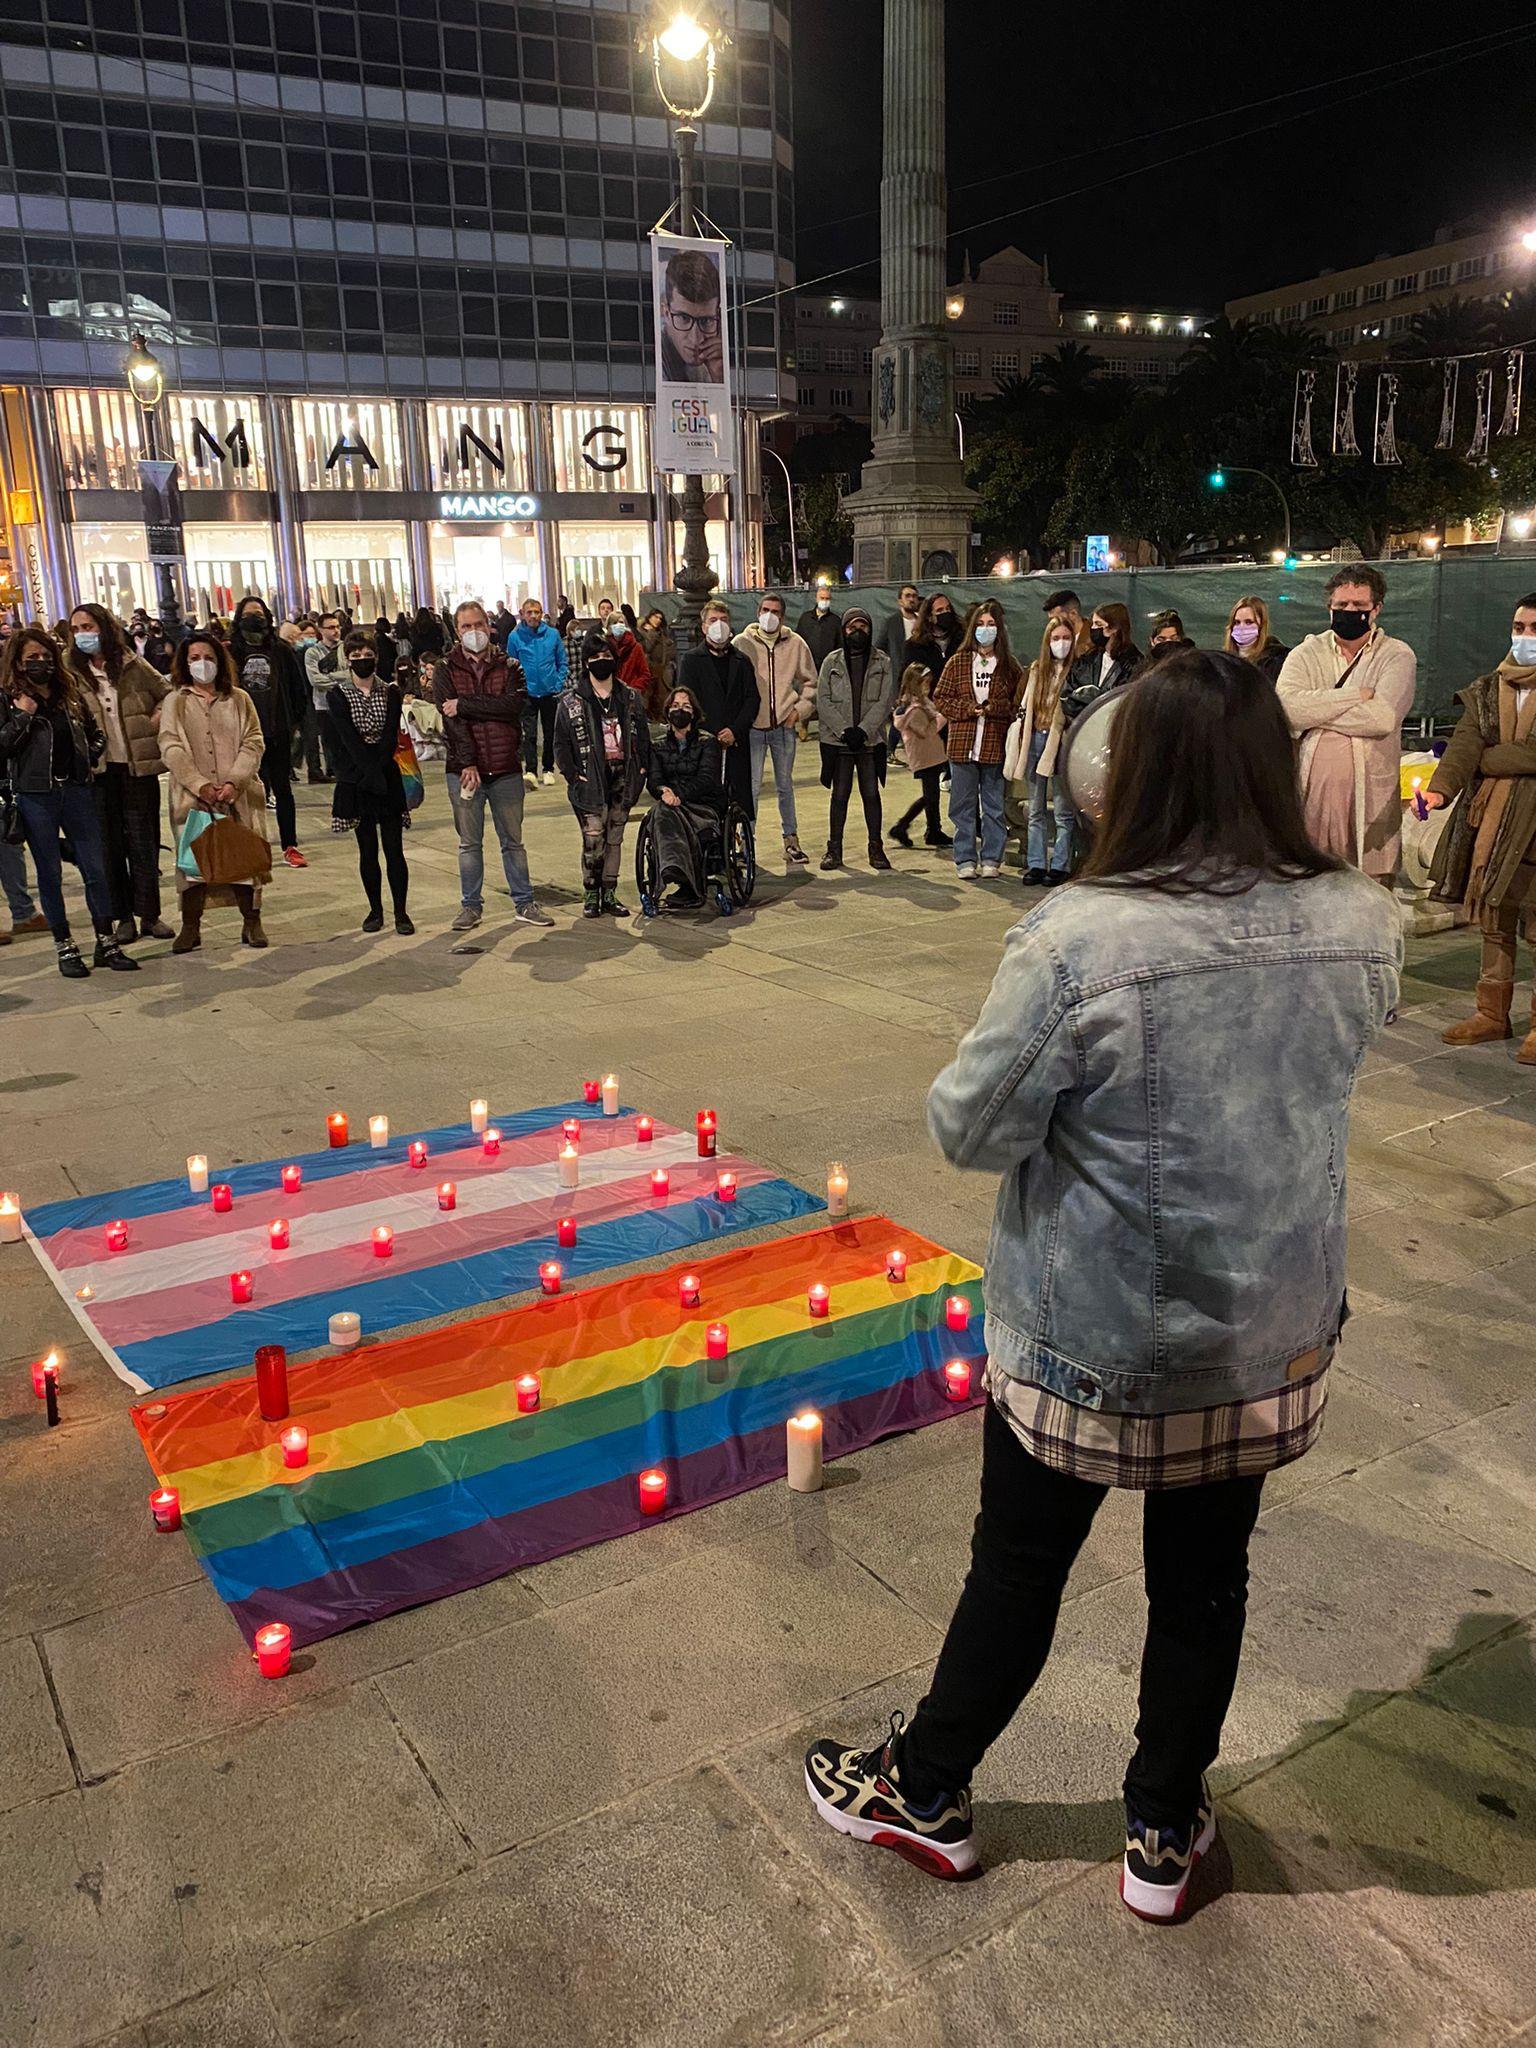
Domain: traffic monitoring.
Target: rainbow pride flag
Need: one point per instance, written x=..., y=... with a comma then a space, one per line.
x=424, y=1478
x=161, y=1310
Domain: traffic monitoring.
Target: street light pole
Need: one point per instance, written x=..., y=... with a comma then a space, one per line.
x=789, y=500
x=146, y=381
x=1223, y=470
x=695, y=578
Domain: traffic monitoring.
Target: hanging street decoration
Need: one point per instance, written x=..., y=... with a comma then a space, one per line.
x=1385, y=435
x=1482, y=417
x=1301, y=420
x=1514, y=380
x=1344, y=439
x=1450, y=377
x=1385, y=451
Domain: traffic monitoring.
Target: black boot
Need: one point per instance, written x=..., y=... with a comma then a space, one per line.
x=612, y=905
x=110, y=954
x=877, y=859
x=832, y=858
x=374, y=921
x=71, y=966
x=901, y=835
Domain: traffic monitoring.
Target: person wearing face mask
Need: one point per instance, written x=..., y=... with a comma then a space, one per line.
x=854, y=694
x=540, y=653
x=125, y=694
x=269, y=673
x=211, y=739
x=365, y=714
x=978, y=695
x=786, y=696
x=630, y=664
x=1485, y=858
x=935, y=636
x=150, y=641
x=1112, y=658
x=819, y=626
x=1168, y=634
x=686, y=778
x=1249, y=637
x=724, y=685
x=50, y=741
x=1034, y=743
x=1346, y=693
x=323, y=668
x=603, y=750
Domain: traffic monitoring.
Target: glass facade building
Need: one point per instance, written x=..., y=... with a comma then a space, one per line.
x=393, y=259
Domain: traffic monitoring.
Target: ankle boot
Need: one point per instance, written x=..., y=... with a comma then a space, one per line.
x=1489, y=1021
x=1527, y=1053
x=110, y=954
x=190, y=937
x=251, y=933
x=832, y=858
x=877, y=857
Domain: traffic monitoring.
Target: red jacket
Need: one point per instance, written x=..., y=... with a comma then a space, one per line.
x=487, y=730
x=634, y=669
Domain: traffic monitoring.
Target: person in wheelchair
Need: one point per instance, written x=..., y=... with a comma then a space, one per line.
x=687, y=779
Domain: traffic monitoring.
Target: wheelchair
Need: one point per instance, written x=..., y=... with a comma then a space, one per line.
x=727, y=861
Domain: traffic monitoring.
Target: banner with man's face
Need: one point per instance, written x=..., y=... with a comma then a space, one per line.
x=693, y=371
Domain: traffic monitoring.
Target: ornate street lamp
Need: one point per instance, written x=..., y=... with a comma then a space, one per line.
x=146, y=375
x=146, y=381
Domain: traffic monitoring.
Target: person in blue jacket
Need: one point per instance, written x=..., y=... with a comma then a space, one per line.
x=540, y=652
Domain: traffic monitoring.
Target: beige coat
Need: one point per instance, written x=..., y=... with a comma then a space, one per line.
x=1316, y=708
x=1022, y=730
x=786, y=675
x=218, y=742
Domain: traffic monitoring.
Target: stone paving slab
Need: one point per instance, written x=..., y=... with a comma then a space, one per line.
x=36, y=1756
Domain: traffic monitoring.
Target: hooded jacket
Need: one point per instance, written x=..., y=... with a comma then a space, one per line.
x=786, y=676
x=539, y=652
x=834, y=692
x=270, y=675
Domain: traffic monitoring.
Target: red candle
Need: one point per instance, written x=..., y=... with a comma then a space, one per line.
x=725, y=1186
x=645, y=1129
x=565, y=1232
x=490, y=1141
x=336, y=1128
x=44, y=1370
x=661, y=1180
x=707, y=1125
x=272, y=1381
x=653, y=1491
x=688, y=1290
x=527, y=1393
x=274, y=1648
x=957, y=1313
x=223, y=1197
x=447, y=1196
x=165, y=1506
x=957, y=1379
x=416, y=1152
x=549, y=1276
x=572, y=1130
x=717, y=1341
x=295, y=1443
x=242, y=1287
x=277, y=1233
x=896, y=1265
x=592, y=1091
x=117, y=1237
x=293, y=1179
x=383, y=1240
x=818, y=1301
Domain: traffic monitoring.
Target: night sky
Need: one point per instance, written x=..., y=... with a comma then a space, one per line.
x=1363, y=161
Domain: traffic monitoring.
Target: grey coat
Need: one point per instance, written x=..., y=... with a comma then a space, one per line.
x=834, y=698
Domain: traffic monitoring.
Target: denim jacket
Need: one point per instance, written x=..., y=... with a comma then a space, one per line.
x=1164, y=1084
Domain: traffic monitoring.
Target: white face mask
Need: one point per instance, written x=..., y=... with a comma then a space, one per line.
x=202, y=671
x=768, y=622
x=823, y=604
x=985, y=635
x=719, y=631
x=476, y=639
x=1061, y=646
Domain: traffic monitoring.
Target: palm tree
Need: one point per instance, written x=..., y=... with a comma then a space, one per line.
x=1068, y=371
x=1225, y=355
x=1450, y=327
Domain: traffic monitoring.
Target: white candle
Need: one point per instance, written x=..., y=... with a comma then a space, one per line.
x=197, y=1173
x=346, y=1329
x=570, y=1166
x=378, y=1132
x=610, y=1095
x=10, y=1220
x=479, y=1114
x=837, y=1189
x=802, y=1435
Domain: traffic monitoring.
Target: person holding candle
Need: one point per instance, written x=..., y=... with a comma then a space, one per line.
x=211, y=743
x=977, y=696
x=1165, y=1285
x=854, y=693
x=603, y=750
x=126, y=694
x=364, y=717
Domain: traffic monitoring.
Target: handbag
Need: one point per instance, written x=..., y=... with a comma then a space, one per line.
x=230, y=853
x=12, y=831
x=198, y=821
x=410, y=771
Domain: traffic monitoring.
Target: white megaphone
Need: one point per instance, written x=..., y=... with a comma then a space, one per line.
x=1085, y=755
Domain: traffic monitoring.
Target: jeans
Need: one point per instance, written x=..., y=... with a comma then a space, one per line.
x=391, y=831
x=970, y=783
x=505, y=797
x=1048, y=794
x=319, y=754
x=129, y=809
x=927, y=803
x=13, y=880
x=539, y=726
x=277, y=774
x=69, y=808
x=1033, y=1522
x=602, y=844
x=845, y=767
x=778, y=740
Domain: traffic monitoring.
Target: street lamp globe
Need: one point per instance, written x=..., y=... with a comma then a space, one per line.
x=684, y=34
x=684, y=37
x=1528, y=240
x=146, y=374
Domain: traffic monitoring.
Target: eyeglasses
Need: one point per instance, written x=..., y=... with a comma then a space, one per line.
x=707, y=324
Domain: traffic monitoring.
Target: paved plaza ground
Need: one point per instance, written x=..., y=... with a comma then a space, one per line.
x=567, y=1808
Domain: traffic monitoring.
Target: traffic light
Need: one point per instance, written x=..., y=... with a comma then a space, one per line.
x=1217, y=479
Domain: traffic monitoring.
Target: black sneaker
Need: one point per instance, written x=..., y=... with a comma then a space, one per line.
x=71, y=966
x=858, y=1792
x=940, y=840
x=374, y=921
x=110, y=954
x=1160, y=1863
x=1036, y=878
x=900, y=836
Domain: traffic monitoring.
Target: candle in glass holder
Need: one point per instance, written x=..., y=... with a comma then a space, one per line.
x=223, y=1197
x=653, y=1491
x=447, y=1196
x=802, y=1435
x=837, y=1189
x=610, y=1095
x=957, y=1379
x=274, y=1649
x=549, y=1276
x=345, y=1329
x=197, y=1173
x=278, y=1236
x=688, y=1290
x=957, y=1313
x=591, y=1091
x=242, y=1287
x=10, y=1220
x=527, y=1393
x=293, y=1179
x=117, y=1236
x=707, y=1124
x=645, y=1129
x=416, y=1152
x=717, y=1341
x=896, y=1265
x=479, y=1114
x=295, y=1443
x=165, y=1507
x=272, y=1381
x=490, y=1142
x=570, y=1167
x=40, y=1372
x=661, y=1181
x=725, y=1186
x=383, y=1240
x=571, y=1130
x=378, y=1132
x=336, y=1128
x=565, y=1232
x=86, y=1293
x=819, y=1301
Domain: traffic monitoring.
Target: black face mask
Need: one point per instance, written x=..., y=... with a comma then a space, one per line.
x=1350, y=624
x=858, y=643
x=362, y=664
x=944, y=624
x=253, y=626
x=680, y=719
x=600, y=670
x=1098, y=636
x=37, y=669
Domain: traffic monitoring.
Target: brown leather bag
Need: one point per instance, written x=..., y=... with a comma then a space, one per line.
x=229, y=852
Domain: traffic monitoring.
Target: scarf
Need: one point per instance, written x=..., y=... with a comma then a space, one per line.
x=1495, y=791
x=858, y=667
x=370, y=711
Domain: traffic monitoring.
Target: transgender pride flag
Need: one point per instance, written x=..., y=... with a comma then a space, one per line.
x=160, y=1310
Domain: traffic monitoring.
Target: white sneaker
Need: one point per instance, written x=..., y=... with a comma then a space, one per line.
x=549, y=779
x=966, y=870
x=530, y=778
x=990, y=871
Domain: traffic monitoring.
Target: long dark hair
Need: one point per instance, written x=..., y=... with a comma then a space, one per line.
x=114, y=645
x=989, y=608
x=1202, y=795
x=13, y=676
x=1118, y=620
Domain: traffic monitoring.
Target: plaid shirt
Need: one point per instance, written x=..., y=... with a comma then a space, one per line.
x=1235, y=1440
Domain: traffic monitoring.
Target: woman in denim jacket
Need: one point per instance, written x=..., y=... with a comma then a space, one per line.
x=1161, y=1074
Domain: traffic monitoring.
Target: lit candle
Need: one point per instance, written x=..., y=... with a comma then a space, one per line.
x=447, y=1196
x=277, y=1234
x=818, y=1300
x=274, y=1648
x=527, y=1393
x=957, y=1313
x=802, y=1434
x=40, y=1372
x=51, y=1389
x=336, y=1128
x=717, y=1341
x=661, y=1181
x=896, y=1265
x=1420, y=808
x=610, y=1095
x=345, y=1329
x=837, y=1189
x=165, y=1507
x=707, y=1124
x=565, y=1232
x=86, y=1293
x=653, y=1491
x=117, y=1237
x=242, y=1287
x=591, y=1091
x=295, y=1443
x=490, y=1142
x=957, y=1379
x=725, y=1186
x=688, y=1292
x=479, y=1114
x=293, y=1179
x=197, y=1173
x=272, y=1381
x=223, y=1198
x=378, y=1132
x=10, y=1220
x=570, y=1167
x=416, y=1152
x=383, y=1240
x=645, y=1129
x=572, y=1130
x=549, y=1276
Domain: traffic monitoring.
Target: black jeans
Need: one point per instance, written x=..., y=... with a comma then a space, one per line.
x=391, y=830
x=847, y=767
x=277, y=774
x=319, y=752
x=129, y=809
x=929, y=780
x=539, y=719
x=1032, y=1524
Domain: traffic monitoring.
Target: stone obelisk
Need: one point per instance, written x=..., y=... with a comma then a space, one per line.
x=912, y=513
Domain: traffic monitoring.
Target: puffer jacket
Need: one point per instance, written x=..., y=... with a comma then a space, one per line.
x=486, y=732
x=579, y=754
x=141, y=690
x=35, y=761
x=786, y=676
x=690, y=767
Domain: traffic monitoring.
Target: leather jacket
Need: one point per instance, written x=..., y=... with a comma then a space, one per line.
x=35, y=762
